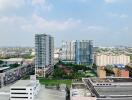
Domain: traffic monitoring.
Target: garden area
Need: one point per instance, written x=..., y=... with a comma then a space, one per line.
x=72, y=71
x=55, y=82
x=65, y=74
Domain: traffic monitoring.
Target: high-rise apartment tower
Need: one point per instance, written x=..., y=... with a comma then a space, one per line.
x=44, y=60
x=84, y=52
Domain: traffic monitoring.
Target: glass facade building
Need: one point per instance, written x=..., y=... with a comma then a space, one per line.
x=84, y=52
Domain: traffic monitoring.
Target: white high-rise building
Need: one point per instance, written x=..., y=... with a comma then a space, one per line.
x=68, y=51
x=110, y=59
x=44, y=48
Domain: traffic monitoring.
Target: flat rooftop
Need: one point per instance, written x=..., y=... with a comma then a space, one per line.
x=110, y=91
x=78, y=86
x=114, y=91
x=79, y=92
x=13, y=59
x=23, y=83
x=4, y=97
x=111, y=80
x=44, y=94
x=50, y=94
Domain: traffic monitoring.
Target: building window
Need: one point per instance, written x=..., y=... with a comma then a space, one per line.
x=18, y=89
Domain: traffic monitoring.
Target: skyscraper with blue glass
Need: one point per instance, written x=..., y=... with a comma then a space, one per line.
x=84, y=52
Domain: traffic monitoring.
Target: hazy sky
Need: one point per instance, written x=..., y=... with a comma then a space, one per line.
x=107, y=22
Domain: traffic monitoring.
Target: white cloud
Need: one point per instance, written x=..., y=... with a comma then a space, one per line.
x=113, y=1
x=85, y=0
x=9, y=4
x=37, y=24
x=110, y=1
x=37, y=5
x=94, y=28
x=41, y=24
x=38, y=1
x=12, y=21
x=123, y=16
x=42, y=4
x=115, y=15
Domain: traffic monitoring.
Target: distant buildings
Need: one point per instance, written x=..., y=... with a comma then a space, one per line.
x=13, y=61
x=79, y=52
x=102, y=72
x=101, y=59
x=15, y=52
x=44, y=48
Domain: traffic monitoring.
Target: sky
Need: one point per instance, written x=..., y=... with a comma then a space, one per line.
x=106, y=22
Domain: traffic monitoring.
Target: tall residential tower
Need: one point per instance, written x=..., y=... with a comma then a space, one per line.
x=68, y=51
x=84, y=52
x=79, y=52
x=44, y=48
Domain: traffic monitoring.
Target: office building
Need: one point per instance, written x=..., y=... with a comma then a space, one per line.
x=84, y=52
x=101, y=59
x=44, y=48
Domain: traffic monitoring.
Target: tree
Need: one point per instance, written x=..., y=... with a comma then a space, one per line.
x=94, y=66
x=14, y=65
x=1, y=62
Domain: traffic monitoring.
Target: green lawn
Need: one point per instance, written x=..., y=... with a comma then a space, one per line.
x=55, y=81
x=51, y=82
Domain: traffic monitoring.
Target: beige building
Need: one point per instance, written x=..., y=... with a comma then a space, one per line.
x=110, y=58
x=101, y=72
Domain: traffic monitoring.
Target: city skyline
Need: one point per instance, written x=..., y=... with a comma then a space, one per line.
x=107, y=22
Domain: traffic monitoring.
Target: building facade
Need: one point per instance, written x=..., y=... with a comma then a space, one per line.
x=84, y=52
x=119, y=72
x=44, y=49
x=101, y=72
x=109, y=88
x=79, y=52
x=24, y=90
x=9, y=76
x=110, y=59
x=68, y=51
